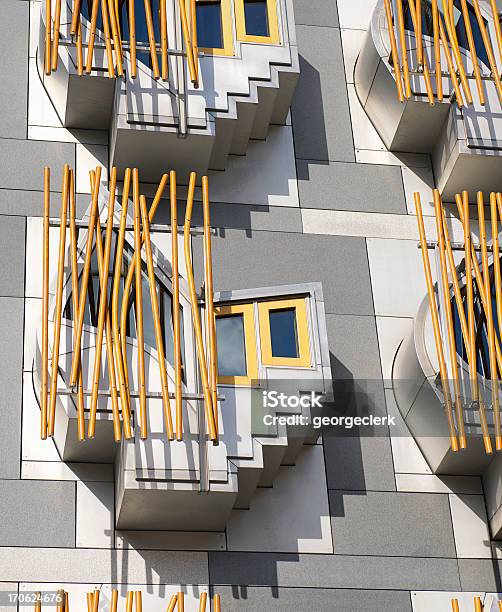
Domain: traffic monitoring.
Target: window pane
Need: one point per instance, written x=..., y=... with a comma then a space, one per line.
x=255, y=13
x=231, y=346
x=283, y=332
x=209, y=28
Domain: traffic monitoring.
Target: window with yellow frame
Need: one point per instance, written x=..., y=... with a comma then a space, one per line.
x=257, y=21
x=284, y=334
x=236, y=342
x=214, y=27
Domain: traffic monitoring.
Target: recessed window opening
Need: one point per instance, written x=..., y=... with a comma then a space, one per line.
x=284, y=333
x=231, y=344
x=256, y=17
x=209, y=24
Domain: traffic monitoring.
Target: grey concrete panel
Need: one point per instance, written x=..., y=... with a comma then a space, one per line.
x=22, y=163
x=243, y=260
x=354, y=187
x=239, y=216
x=334, y=571
x=320, y=109
x=325, y=13
x=11, y=358
x=31, y=203
x=251, y=599
x=399, y=524
x=37, y=513
x=5, y=589
x=12, y=245
x=359, y=463
x=480, y=575
x=14, y=44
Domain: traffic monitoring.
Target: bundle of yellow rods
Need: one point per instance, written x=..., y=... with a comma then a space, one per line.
x=112, y=320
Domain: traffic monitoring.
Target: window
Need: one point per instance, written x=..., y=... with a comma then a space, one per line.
x=256, y=21
x=236, y=344
x=214, y=27
x=284, y=333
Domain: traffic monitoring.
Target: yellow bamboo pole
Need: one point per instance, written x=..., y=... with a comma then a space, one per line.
x=498, y=298
x=104, y=319
x=195, y=47
x=120, y=358
x=181, y=601
x=393, y=50
x=114, y=601
x=156, y=320
x=217, y=603
x=208, y=402
x=435, y=323
x=151, y=39
x=472, y=48
x=402, y=44
x=463, y=326
x=209, y=295
x=139, y=308
x=176, y=307
x=423, y=61
x=418, y=32
x=172, y=603
x=117, y=43
x=138, y=600
x=80, y=50
x=478, y=606
x=130, y=277
x=496, y=25
x=437, y=50
x=488, y=47
x=188, y=44
x=48, y=36
x=95, y=601
x=90, y=600
x=489, y=318
x=132, y=38
x=59, y=300
x=163, y=40
x=449, y=61
x=129, y=601
x=75, y=17
x=55, y=42
x=92, y=36
x=450, y=330
x=38, y=601
x=454, y=605
x=74, y=294
x=108, y=42
x=60, y=599
x=85, y=280
x=45, y=306
x=450, y=28
x=202, y=604
x=66, y=602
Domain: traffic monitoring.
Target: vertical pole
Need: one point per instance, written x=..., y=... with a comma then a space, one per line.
x=472, y=48
x=92, y=36
x=75, y=17
x=498, y=298
x=496, y=25
x=55, y=42
x=488, y=48
x=454, y=605
x=48, y=41
x=437, y=50
x=188, y=44
x=108, y=42
x=172, y=603
x=449, y=61
x=129, y=601
x=132, y=38
x=217, y=603
x=402, y=43
x=195, y=47
x=415, y=19
x=393, y=50
x=74, y=293
x=435, y=323
x=138, y=601
x=489, y=319
x=117, y=43
x=45, y=305
x=59, y=300
x=114, y=601
x=195, y=313
x=176, y=307
x=202, y=604
x=163, y=40
x=209, y=298
x=80, y=51
x=156, y=320
x=139, y=308
x=456, y=53
x=151, y=39
x=85, y=279
x=181, y=601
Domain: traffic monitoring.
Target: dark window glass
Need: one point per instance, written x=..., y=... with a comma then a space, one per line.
x=283, y=332
x=231, y=345
x=255, y=14
x=209, y=28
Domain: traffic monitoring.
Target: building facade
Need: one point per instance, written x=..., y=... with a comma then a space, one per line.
x=313, y=166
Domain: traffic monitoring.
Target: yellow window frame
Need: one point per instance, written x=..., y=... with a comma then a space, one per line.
x=273, y=37
x=304, y=358
x=247, y=312
x=226, y=30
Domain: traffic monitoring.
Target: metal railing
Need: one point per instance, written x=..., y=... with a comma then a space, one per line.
x=112, y=319
x=477, y=306
x=409, y=56
x=115, y=44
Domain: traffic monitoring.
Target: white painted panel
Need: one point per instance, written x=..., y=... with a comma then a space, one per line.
x=428, y=483
x=52, y=470
x=355, y=15
x=34, y=449
x=32, y=322
x=421, y=180
x=171, y=540
x=293, y=516
x=34, y=260
x=352, y=41
x=266, y=176
x=87, y=158
x=470, y=526
x=61, y=134
x=40, y=108
x=410, y=160
x=391, y=331
x=365, y=135
x=95, y=515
